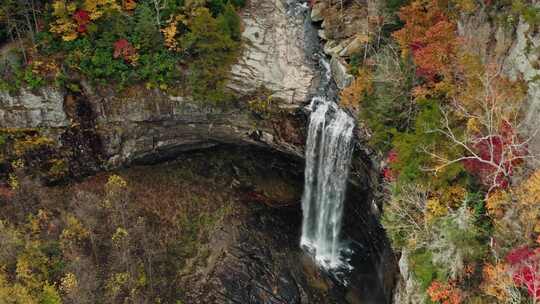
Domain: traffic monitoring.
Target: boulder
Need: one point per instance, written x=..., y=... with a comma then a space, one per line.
x=339, y=71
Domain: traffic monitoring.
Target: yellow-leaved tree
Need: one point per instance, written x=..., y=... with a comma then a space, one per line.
x=170, y=32
x=73, y=17
x=352, y=95
x=64, y=25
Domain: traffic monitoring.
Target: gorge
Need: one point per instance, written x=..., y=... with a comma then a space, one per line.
x=210, y=195
x=274, y=152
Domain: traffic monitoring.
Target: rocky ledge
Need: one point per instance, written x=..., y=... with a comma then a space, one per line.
x=142, y=124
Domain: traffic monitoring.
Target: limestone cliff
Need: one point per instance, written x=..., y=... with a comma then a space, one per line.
x=142, y=124
x=274, y=53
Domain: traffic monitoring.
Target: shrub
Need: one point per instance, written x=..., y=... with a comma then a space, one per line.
x=388, y=106
x=423, y=268
x=414, y=148
x=229, y=22
x=213, y=51
x=456, y=242
x=352, y=96
x=145, y=34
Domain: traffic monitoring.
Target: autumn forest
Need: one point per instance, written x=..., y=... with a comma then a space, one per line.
x=111, y=202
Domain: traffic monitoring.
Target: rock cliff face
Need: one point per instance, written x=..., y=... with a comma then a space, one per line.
x=345, y=27
x=515, y=49
x=30, y=110
x=524, y=61
x=143, y=124
x=274, y=54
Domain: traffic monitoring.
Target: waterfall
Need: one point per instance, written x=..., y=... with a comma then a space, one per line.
x=328, y=157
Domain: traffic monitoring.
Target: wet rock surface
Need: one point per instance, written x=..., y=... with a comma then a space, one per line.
x=254, y=255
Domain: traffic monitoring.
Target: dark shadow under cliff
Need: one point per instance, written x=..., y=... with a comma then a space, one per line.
x=219, y=225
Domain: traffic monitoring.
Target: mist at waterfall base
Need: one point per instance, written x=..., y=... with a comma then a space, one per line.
x=328, y=157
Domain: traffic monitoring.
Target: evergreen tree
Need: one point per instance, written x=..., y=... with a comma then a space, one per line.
x=145, y=32
x=229, y=22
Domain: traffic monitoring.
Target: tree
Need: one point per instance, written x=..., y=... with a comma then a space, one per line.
x=430, y=38
x=146, y=34
x=491, y=143
x=125, y=50
x=19, y=19
x=229, y=22
x=50, y=295
x=352, y=96
x=212, y=51
x=525, y=269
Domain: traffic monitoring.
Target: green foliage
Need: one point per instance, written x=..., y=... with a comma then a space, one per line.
x=389, y=107
x=482, y=221
x=158, y=69
x=393, y=6
x=211, y=40
x=7, y=86
x=218, y=7
x=354, y=63
x=213, y=51
x=412, y=147
x=423, y=268
x=13, y=75
x=101, y=65
x=47, y=44
x=33, y=80
x=50, y=295
x=145, y=34
x=229, y=23
x=529, y=12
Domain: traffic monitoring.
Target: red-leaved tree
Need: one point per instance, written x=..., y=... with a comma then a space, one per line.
x=82, y=18
x=525, y=269
x=123, y=49
x=491, y=145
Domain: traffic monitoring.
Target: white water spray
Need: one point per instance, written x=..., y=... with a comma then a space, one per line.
x=328, y=157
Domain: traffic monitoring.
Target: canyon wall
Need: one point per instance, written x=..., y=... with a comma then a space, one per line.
x=143, y=124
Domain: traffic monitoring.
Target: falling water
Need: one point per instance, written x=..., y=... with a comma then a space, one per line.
x=328, y=157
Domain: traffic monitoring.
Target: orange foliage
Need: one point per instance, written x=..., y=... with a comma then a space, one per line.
x=497, y=202
x=445, y=293
x=529, y=204
x=430, y=37
x=73, y=17
x=352, y=95
x=170, y=32
x=497, y=281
